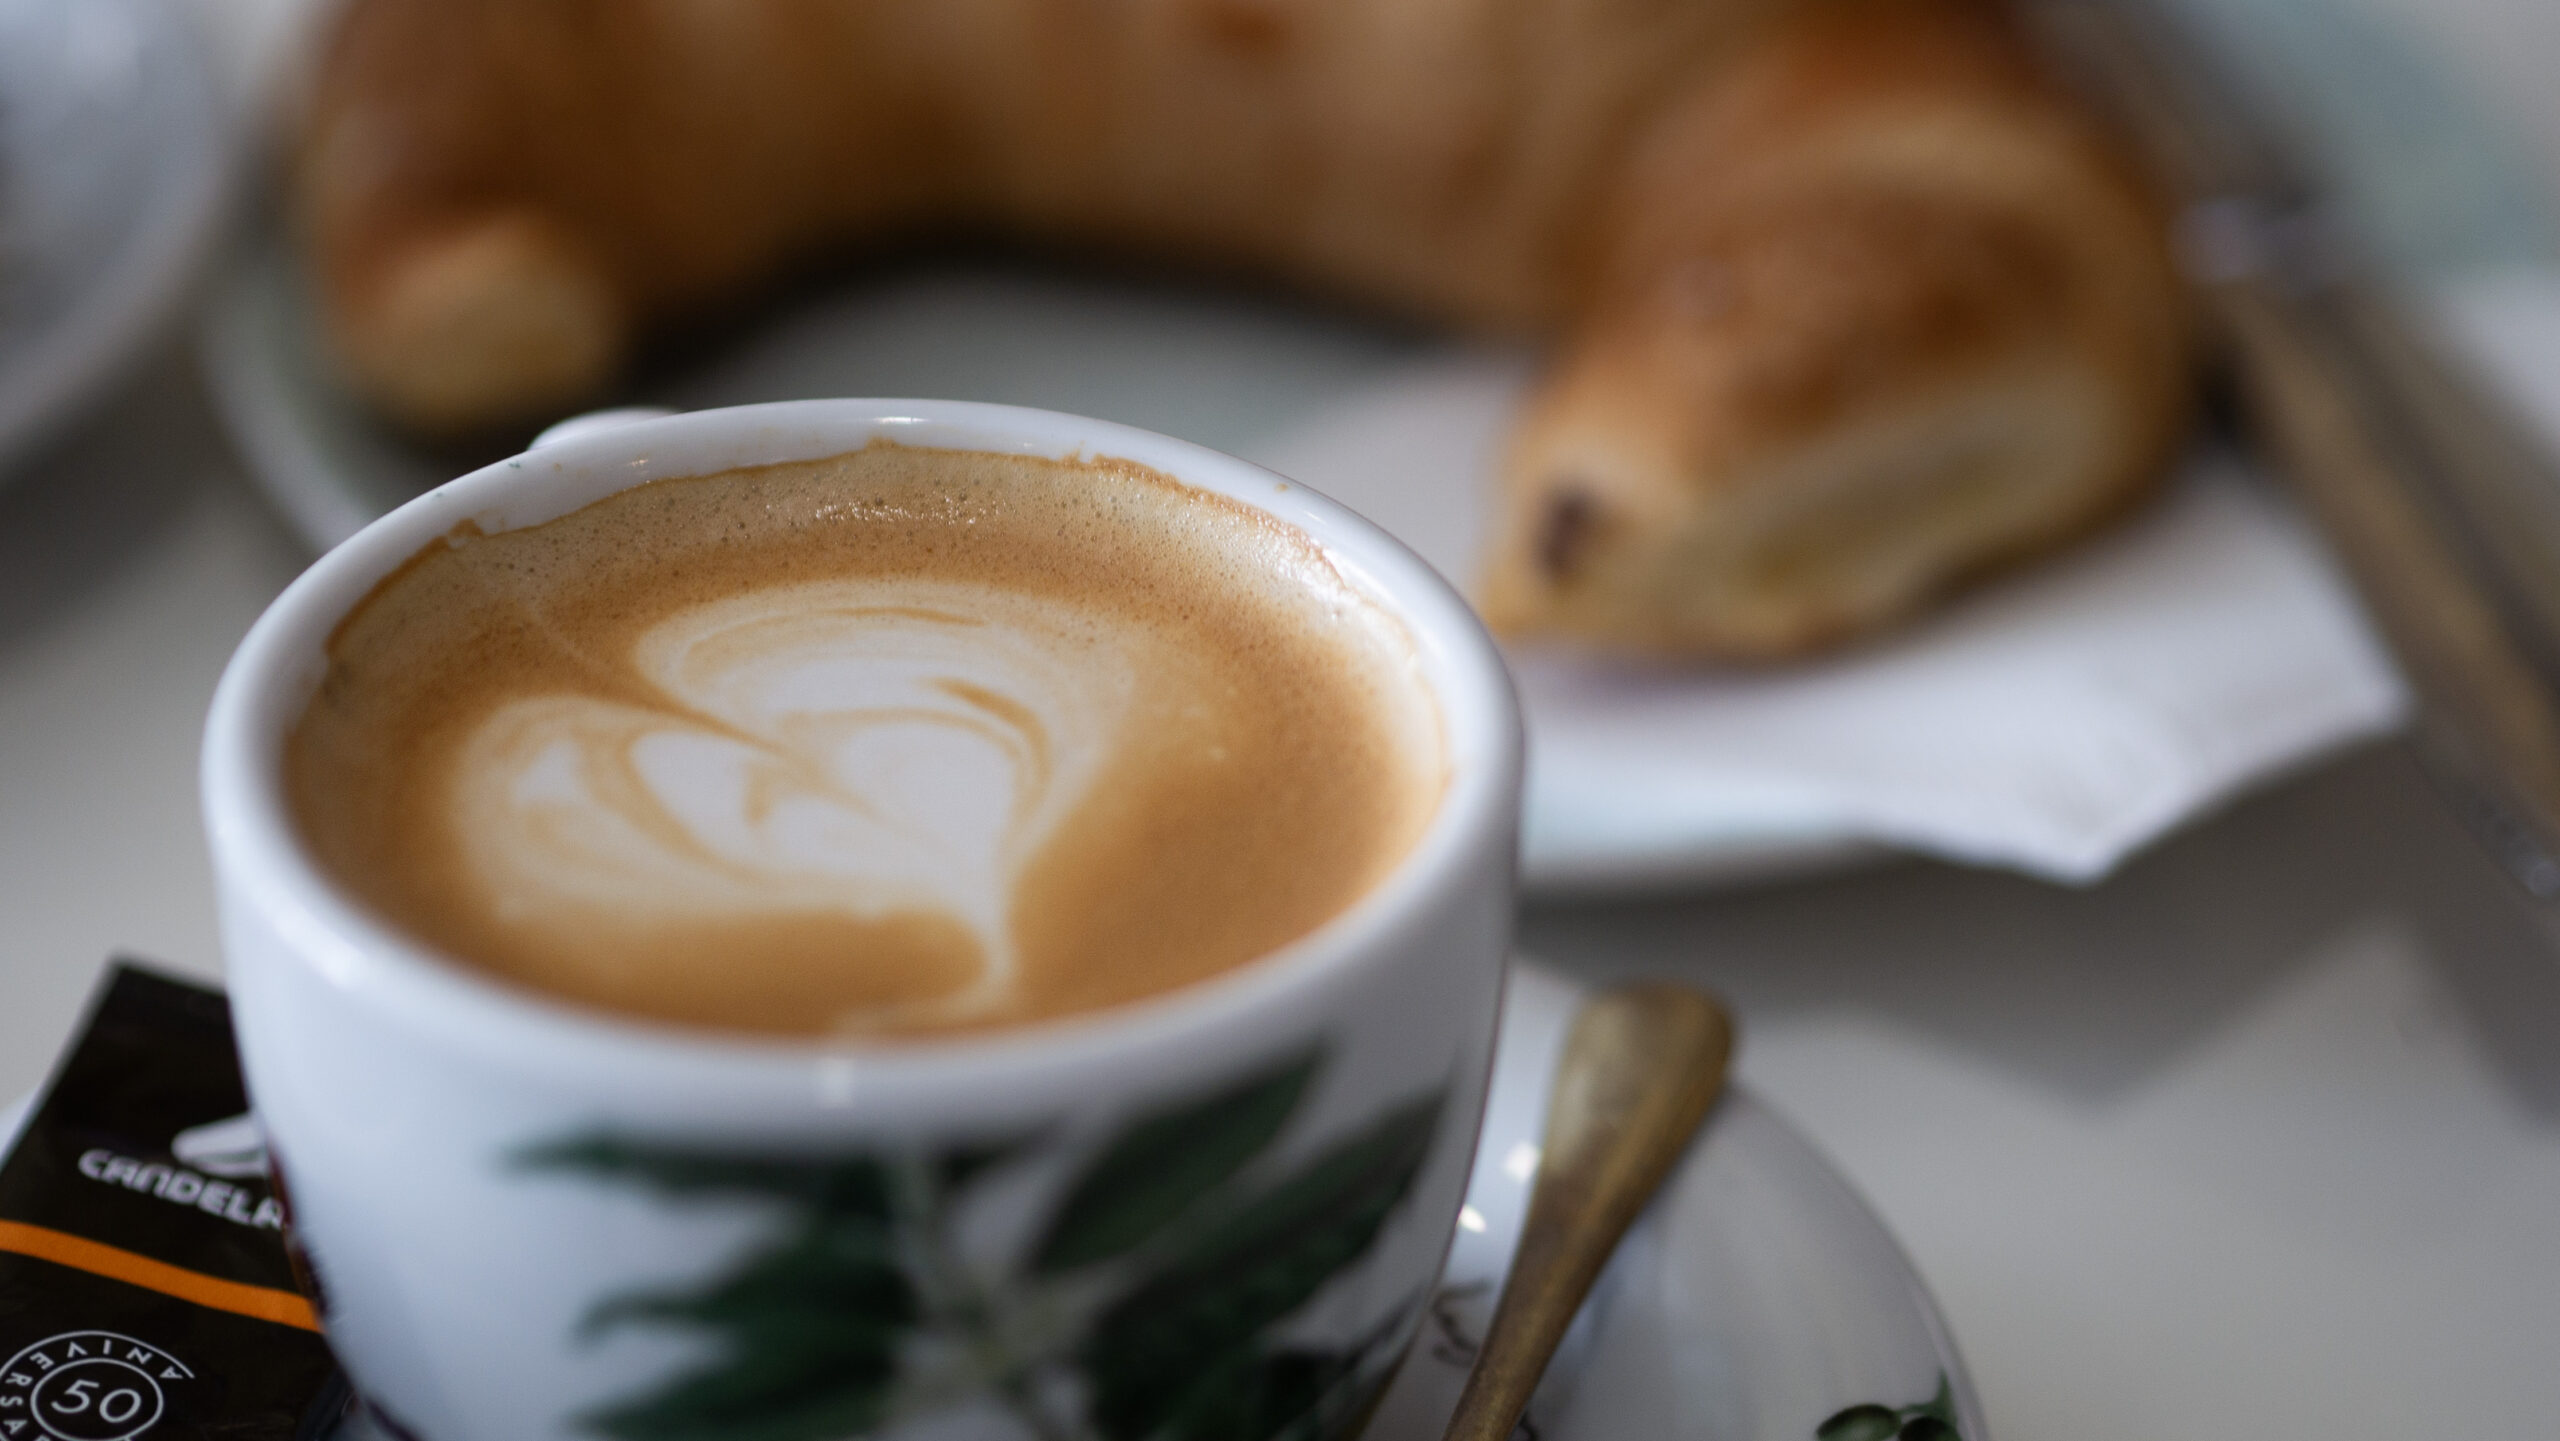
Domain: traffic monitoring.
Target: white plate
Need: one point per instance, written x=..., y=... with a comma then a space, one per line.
x=1618, y=794
x=1756, y=1299
x=115, y=153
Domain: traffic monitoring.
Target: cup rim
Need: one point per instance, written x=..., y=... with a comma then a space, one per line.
x=261, y=860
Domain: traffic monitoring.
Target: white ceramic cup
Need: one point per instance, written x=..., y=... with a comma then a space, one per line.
x=1216, y=1212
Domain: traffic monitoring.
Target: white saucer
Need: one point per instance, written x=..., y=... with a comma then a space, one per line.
x=1757, y=1299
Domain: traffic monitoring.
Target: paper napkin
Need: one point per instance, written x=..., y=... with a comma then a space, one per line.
x=2052, y=721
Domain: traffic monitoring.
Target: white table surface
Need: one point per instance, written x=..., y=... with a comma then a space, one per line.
x=2259, y=1139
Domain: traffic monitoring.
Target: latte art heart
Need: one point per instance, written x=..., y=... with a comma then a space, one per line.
x=864, y=746
x=886, y=745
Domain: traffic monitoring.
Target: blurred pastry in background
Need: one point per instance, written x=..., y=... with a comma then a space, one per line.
x=1850, y=301
x=1880, y=309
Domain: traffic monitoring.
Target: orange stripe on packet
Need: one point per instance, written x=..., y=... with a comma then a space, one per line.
x=80, y=1253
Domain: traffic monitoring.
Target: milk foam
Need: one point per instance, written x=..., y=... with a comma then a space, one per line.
x=868, y=746
x=894, y=743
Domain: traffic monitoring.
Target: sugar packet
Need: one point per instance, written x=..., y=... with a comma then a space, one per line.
x=145, y=1285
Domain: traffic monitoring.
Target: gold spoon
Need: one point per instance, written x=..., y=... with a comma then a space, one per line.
x=1641, y=1066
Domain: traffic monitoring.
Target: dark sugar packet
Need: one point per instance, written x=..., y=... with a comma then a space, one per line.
x=145, y=1288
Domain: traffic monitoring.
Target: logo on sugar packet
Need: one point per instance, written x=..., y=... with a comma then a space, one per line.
x=232, y=1149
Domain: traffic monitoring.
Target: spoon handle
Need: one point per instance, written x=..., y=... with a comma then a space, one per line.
x=1641, y=1066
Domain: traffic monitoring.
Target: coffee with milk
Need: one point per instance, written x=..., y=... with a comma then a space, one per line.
x=900, y=742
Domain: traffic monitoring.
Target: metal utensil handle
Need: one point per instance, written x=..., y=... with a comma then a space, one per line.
x=2436, y=505
x=2443, y=509
x=1642, y=1065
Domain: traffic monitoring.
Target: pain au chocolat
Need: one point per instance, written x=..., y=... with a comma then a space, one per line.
x=1850, y=301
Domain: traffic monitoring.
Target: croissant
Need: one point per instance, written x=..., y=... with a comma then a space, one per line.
x=1850, y=301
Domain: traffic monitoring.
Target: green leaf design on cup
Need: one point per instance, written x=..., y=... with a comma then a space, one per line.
x=1940, y=1407
x=1158, y=1167
x=1930, y=1420
x=1142, y=1309
x=813, y=1321
x=1173, y=1343
x=1861, y=1423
